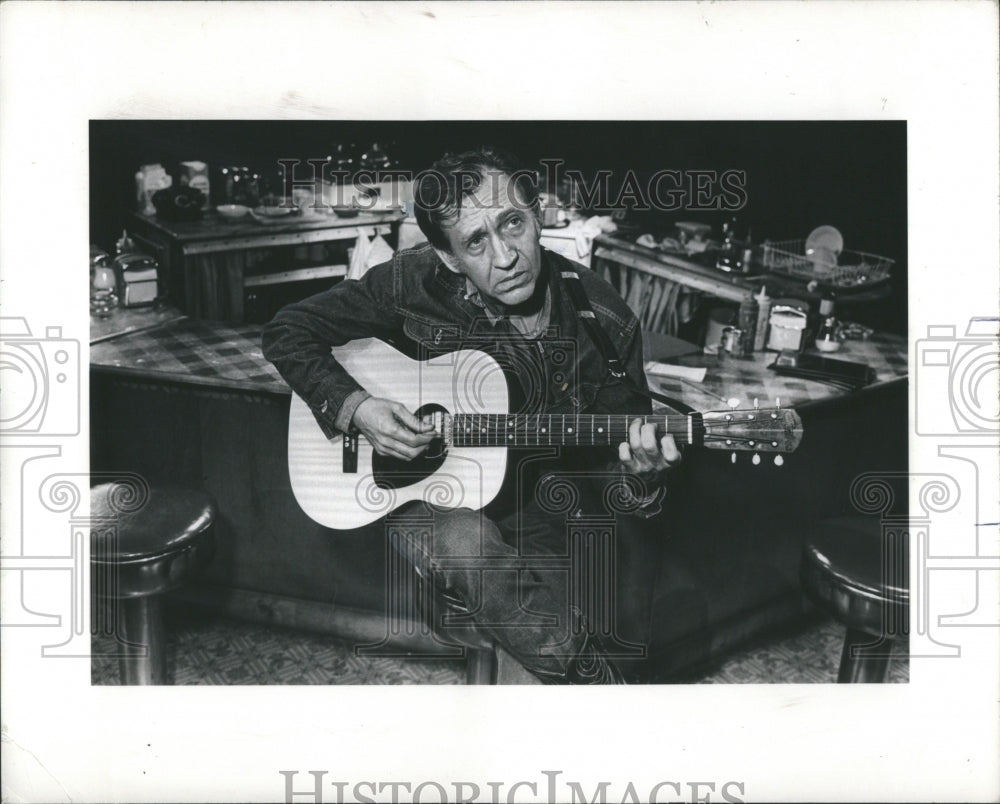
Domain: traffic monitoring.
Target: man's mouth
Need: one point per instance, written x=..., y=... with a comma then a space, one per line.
x=514, y=280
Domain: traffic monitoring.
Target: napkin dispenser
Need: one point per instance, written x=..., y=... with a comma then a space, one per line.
x=138, y=276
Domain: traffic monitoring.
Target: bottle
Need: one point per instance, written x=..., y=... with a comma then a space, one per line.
x=124, y=244
x=728, y=257
x=746, y=261
x=826, y=304
x=747, y=323
x=828, y=336
x=763, y=314
x=103, y=283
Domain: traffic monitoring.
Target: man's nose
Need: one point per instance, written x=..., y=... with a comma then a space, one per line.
x=503, y=255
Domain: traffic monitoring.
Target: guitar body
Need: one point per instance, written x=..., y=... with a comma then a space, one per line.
x=340, y=488
x=343, y=483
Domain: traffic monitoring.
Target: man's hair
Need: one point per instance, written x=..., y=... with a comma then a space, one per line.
x=439, y=191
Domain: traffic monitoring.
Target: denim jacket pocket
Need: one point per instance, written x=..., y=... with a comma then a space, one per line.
x=429, y=337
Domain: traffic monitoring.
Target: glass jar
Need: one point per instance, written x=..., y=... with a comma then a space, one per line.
x=103, y=286
x=787, y=328
x=828, y=335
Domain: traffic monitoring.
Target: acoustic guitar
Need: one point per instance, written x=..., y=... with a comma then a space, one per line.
x=343, y=483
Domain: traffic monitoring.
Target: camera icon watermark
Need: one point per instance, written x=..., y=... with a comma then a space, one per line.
x=965, y=369
x=40, y=379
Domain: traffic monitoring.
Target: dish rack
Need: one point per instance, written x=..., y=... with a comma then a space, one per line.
x=852, y=268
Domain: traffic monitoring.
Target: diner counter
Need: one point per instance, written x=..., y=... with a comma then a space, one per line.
x=209, y=353
x=193, y=402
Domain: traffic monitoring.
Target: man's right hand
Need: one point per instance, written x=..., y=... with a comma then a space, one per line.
x=392, y=429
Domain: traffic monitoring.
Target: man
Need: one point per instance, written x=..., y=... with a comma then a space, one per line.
x=484, y=281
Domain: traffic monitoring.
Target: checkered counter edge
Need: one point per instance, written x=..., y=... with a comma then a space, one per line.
x=196, y=352
x=224, y=356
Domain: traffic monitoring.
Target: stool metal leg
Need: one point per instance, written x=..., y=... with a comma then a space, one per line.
x=142, y=624
x=865, y=658
x=480, y=667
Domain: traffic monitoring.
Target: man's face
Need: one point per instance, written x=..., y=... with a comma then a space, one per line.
x=494, y=242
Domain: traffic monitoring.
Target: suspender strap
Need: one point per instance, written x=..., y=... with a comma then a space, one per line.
x=588, y=318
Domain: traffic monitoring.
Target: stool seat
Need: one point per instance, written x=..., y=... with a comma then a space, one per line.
x=859, y=574
x=169, y=520
x=140, y=551
x=154, y=548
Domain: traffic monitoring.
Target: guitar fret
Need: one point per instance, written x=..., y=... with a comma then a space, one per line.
x=569, y=429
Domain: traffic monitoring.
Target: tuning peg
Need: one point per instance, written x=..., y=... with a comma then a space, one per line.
x=733, y=402
x=777, y=403
x=756, y=404
x=778, y=460
x=755, y=460
x=732, y=458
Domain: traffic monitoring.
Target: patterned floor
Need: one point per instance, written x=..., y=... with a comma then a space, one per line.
x=804, y=655
x=222, y=651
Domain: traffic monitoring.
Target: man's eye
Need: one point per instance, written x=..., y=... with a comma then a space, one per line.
x=515, y=223
x=476, y=243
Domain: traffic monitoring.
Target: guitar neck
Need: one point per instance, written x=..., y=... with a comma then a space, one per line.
x=548, y=429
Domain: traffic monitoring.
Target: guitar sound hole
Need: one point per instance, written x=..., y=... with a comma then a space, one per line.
x=395, y=473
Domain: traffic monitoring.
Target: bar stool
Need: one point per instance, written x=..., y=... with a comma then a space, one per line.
x=858, y=572
x=136, y=556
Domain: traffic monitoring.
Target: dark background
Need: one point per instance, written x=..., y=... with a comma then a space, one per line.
x=799, y=175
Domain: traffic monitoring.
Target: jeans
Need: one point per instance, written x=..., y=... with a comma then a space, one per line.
x=512, y=575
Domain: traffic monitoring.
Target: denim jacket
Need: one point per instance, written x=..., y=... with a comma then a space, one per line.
x=417, y=305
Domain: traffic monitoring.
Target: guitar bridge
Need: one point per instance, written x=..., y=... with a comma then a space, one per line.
x=350, y=460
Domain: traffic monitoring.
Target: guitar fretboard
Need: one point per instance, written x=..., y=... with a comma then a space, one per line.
x=547, y=429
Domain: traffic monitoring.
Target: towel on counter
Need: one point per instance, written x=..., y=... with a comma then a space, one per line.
x=587, y=230
x=368, y=254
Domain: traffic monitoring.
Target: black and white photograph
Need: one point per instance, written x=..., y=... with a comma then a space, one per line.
x=592, y=415
x=471, y=401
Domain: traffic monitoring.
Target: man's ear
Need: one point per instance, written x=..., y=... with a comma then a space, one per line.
x=449, y=260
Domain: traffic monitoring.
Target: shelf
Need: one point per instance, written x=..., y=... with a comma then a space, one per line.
x=297, y=275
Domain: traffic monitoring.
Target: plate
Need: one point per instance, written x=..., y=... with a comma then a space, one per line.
x=273, y=212
x=825, y=237
x=232, y=211
x=269, y=218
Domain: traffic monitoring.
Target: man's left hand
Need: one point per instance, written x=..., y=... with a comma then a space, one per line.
x=643, y=455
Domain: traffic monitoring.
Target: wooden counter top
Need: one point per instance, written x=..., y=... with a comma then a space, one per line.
x=212, y=232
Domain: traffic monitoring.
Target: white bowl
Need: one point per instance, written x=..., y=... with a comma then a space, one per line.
x=232, y=211
x=273, y=211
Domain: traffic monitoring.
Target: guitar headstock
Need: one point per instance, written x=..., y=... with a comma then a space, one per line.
x=756, y=430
